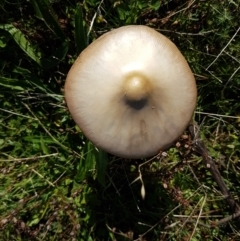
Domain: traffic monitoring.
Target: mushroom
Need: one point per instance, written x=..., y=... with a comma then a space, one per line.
x=131, y=92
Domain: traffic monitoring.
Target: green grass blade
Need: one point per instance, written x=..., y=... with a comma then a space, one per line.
x=13, y=84
x=80, y=30
x=93, y=159
x=4, y=38
x=22, y=42
x=57, y=57
x=97, y=158
x=30, y=80
x=37, y=10
x=101, y=164
x=86, y=163
x=44, y=147
x=44, y=10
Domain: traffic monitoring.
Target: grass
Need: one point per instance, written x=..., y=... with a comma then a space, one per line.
x=55, y=185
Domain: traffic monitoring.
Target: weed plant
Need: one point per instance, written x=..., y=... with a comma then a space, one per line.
x=55, y=185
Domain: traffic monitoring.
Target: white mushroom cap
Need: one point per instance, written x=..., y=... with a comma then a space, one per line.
x=131, y=92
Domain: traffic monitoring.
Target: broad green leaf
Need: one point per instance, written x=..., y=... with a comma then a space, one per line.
x=45, y=12
x=155, y=5
x=34, y=221
x=80, y=30
x=22, y=42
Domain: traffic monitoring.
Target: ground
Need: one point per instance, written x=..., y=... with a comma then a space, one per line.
x=55, y=185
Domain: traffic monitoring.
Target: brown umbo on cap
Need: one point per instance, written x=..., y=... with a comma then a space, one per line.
x=131, y=92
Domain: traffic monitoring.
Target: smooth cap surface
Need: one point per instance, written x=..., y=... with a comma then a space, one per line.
x=131, y=92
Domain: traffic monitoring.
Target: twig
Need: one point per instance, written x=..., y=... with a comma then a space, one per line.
x=217, y=115
x=223, y=49
x=230, y=78
x=181, y=10
x=166, y=216
x=225, y=220
x=213, y=224
x=14, y=113
x=40, y=175
x=198, y=218
x=192, y=221
x=188, y=34
x=28, y=158
x=202, y=150
x=94, y=17
x=190, y=216
x=143, y=192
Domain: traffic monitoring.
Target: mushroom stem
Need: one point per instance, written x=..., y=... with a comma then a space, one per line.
x=136, y=90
